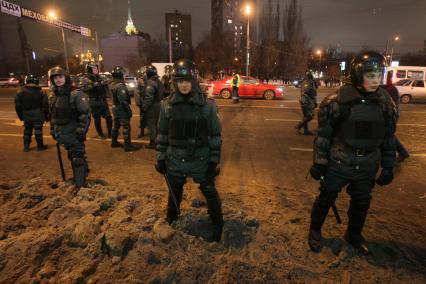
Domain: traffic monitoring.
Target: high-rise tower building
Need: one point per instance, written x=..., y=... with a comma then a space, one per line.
x=130, y=27
x=179, y=27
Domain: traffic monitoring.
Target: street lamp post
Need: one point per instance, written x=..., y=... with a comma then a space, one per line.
x=248, y=12
x=391, y=55
x=52, y=15
x=319, y=52
x=170, y=44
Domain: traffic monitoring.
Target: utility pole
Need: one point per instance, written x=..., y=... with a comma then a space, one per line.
x=65, y=50
x=170, y=44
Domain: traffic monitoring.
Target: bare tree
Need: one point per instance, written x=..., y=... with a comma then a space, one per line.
x=295, y=44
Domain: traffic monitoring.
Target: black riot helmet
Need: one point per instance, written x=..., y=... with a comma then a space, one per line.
x=168, y=70
x=56, y=71
x=151, y=71
x=369, y=61
x=309, y=74
x=31, y=79
x=90, y=66
x=142, y=72
x=184, y=69
x=118, y=72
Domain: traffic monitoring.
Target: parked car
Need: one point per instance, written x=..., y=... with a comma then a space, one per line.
x=249, y=87
x=411, y=90
x=9, y=82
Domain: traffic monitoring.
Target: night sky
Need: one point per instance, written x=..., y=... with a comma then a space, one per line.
x=348, y=23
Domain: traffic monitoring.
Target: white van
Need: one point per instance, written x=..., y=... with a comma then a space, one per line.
x=404, y=72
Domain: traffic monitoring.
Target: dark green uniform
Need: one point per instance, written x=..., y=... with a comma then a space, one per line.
x=121, y=111
x=308, y=94
x=31, y=106
x=139, y=96
x=70, y=120
x=153, y=94
x=96, y=91
x=189, y=139
x=355, y=137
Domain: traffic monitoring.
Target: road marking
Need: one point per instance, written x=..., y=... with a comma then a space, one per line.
x=411, y=124
x=144, y=141
x=311, y=150
x=418, y=155
x=282, y=119
x=301, y=149
x=265, y=107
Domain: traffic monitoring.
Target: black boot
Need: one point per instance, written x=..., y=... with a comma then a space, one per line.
x=141, y=133
x=306, y=131
x=80, y=170
x=115, y=143
x=26, y=146
x=214, y=206
x=40, y=145
x=151, y=145
x=172, y=212
x=357, y=214
x=99, y=130
x=319, y=213
x=129, y=147
x=109, y=125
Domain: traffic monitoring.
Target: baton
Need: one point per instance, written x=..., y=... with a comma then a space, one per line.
x=166, y=177
x=61, y=164
x=332, y=202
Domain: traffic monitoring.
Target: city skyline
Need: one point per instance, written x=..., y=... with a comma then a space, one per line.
x=340, y=23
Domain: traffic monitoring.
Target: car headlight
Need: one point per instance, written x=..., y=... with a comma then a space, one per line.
x=280, y=89
x=131, y=85
x=295, y=82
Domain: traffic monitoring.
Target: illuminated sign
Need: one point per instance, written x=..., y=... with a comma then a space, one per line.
x=16, y=10
x=10, y=8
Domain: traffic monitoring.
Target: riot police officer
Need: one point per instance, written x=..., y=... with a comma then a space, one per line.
x=167, y=80
x=308, y=94
x=32, y=107
x=355, y=136
x=189, y=142
x=139, y=96
x=121, y=110
x=91, y=83
x=70, y=120
x=153, y=94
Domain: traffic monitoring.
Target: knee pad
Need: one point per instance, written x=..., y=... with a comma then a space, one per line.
x=78, y=162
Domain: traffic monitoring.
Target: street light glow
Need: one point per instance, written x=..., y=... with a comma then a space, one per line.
x=52, y=14
x=247, y=9
x=397, y=38
x=319, y=51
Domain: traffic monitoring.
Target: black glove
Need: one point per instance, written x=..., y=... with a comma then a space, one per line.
x=317, y=171
x=212, y=170
x=161, y=166
x=386, y=177
x=81, y=134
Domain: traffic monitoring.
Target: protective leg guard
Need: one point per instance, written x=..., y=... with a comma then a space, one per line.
x=38, y=133
x=357, y=214
x=80, y=171
x=172, y=212
x=214, y=209
x=26, y=144
x=109, y=125
x=319, y=213
x=98, y=127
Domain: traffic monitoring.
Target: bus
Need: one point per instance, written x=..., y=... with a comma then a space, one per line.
x=404, y=72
